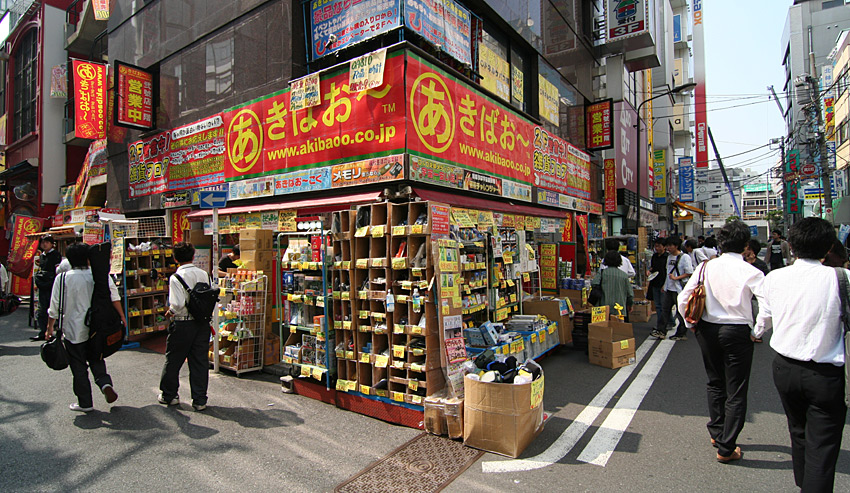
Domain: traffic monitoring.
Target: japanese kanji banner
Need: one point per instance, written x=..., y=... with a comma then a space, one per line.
x=89, y=99
x=600, y=129
x=610, y=186
x=134, y=93
x=22, y=248
x=265, y=137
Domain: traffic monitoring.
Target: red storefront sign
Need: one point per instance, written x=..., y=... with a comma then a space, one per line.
x=600, y=129
x=179, y=223
x=134, y=90
x=89, y=99
x=567, y=233
x=610, y=185
x=22, y=248
x=265, y=137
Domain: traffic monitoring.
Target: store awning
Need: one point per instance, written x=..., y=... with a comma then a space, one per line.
x=312, y=205
x=460, y=200
x=682, y=205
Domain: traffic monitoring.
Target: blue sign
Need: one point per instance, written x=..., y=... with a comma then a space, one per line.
x=447, y=26
x=677, y=28
x=338, y=24
x=754, y=230
x=212, y=199
x=196, y=192
x=686, y=182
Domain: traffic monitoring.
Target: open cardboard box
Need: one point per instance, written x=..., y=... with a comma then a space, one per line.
x=555, y=310
x=611, y=344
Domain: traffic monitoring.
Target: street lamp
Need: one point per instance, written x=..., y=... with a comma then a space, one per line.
x=676, y=90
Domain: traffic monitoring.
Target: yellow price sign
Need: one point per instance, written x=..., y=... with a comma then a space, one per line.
x=398, y=230
x=361, y=232
x=413, y=384
x=398, y=351
x=350, y=386
x=378, y=231
x=365, y=358
x=381, y=360
x=305, y=371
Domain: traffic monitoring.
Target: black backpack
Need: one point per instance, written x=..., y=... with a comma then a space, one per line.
x=203, y=299
x=106, y=331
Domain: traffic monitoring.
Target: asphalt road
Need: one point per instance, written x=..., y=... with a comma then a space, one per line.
x=254, y=438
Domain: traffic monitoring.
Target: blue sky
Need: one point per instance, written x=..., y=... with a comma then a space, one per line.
x=743, y=57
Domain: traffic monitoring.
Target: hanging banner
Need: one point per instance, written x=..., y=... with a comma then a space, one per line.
x=93, y=165
x=548, y=100
x=134, y=97
x=793, y=199
x=338, y=24
x=196, y=154
x=660, y=170
x=567, y=235
x=367, y=72
x=304, y=92
x=179, y=223
x=89, y=99
x=445, y=24
x=599, y=121
x=560, y=166
x=686, y=180
x=700, y=113
x=101, y=10
x=22, y=248
x=59, y=81
x=148, y=161
x=495, y=72
x=610, y=186
x=581, y=221
x=626, y=158
x=264, y=137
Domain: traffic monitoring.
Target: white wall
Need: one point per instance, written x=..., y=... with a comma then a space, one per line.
x=52, y=161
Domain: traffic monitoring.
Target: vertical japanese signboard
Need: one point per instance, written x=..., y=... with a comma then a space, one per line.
x=660, y=170
x=22, y=248
x=548, y=100
x=600, y=128
x=179, y=223
x=699, y=92
x=626, y=18
x=610, y=186
x=338, y=24
x=686, y=179
x=101, y=10
x=444, y=23
x=89, y=99
x=134, y=93
x=794, y=204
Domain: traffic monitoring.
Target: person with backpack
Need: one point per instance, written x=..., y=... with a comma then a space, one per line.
x=679, y=268
x=191, y=301
x=70, y=301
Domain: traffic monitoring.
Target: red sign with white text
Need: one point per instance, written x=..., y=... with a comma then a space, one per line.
x=610, y=185
x=89, y=99
x=134, y=90
x=265, y=137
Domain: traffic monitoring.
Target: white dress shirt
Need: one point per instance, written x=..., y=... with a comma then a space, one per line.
x=177, y=294
x=730, y=283
x=685, y=267
x=78, y=285
x=625, y=266
x=4, y=279
x=801, y=304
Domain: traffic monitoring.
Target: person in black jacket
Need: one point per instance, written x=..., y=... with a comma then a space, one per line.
x=658, y=263
x=47, y=263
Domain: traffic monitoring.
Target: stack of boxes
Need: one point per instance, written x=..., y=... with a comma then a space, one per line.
x=257, y=253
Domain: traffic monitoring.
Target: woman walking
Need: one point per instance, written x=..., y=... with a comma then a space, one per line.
x=616, y=289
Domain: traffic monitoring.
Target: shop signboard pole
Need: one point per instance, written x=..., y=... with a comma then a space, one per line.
x=214, y=199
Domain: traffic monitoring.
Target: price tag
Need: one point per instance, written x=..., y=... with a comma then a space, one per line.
x=521, y=346
x=402, y=298
x=416, y=399
x=397, y=396
x=381, y=361
x=624, y=344
x=365, y=358
x=510, y=282
x=338, y=265
x=398, y=364
x=317, y=373
x=346, y=324
x=552, y=328
x=542, y=336
x=382, y=393
x=349, y=355
x=417, y=271
x=305, y=371
x=416, y=367
x=398, y=230
x=362, y=295
x=364, y=328
x=526, y=277
x=340, y=385
x=413, y=384
x=346, y=295
x=415, y=330
x=508, y=257
x=534, y=337
x=363, y=313
x=378, y=231
x=366, y=389
x=362, y=263
x=398, y=351
x=350, y=386
x=378, y=315
x=398, y=329
x=417, y=229
x=399, y=263
x=361, y=232
x=346, y=264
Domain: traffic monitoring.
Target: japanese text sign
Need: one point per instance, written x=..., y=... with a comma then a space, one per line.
x=134, y=93
x=304, y=93
x=686, y=179
x=444, y=23
x=600, y=129
x=89, y=99
x=660, y=170
x=367, y=72
x=610, y=186
x=338, y=24
x=22, y=248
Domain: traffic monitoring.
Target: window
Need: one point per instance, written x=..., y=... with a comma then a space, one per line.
x=24, y=88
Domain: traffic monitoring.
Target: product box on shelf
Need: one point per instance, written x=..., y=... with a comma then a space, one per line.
x=554, y=309
x=502, y=418
x=611, y=344
x=258, y=259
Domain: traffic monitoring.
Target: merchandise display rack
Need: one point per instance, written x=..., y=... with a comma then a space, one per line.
x=242, y=321
x=302, y=294
x=144, y=283
x=505, y=284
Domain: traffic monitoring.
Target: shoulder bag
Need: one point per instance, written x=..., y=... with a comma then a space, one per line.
x=843, y=289
x=696, y=300
x=596, y=292
x=53, y=351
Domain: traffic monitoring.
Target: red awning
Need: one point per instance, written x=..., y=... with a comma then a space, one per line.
x=317, y=205
x=466, y=201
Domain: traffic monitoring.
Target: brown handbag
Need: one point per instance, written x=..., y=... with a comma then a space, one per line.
x=696, y=301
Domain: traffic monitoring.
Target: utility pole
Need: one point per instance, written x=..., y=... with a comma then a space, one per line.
x=822, y=162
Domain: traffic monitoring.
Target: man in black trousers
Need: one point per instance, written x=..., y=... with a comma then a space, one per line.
x=801, y=304
x=43, y=279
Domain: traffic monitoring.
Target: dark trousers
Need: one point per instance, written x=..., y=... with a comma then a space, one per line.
x=43, y=305
x=813, y=397
x=727, y=352
x=669, y=302
x=80, y=364
x=187, y=340
x=657, y=297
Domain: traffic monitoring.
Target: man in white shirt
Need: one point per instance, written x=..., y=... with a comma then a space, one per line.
x=626, y=265
x=70, y=300
x=802, y=305
x=695, y=252
x=187, y=339
x=679, y=267
x=723, y=334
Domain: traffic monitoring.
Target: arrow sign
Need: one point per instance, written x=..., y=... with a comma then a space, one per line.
x=212, y=199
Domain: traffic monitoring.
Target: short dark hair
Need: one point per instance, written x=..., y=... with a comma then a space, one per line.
x=612, y=244
x=661, y=241
x=811, y=238
x=837, y=255
x=613, y=258
x=48, y=238
x=776, y=232
x=184, y=252
x=710, y=242
x=692, y=243
x=78, y=255
x=700, y=237
x=754, y=245
x=675, y=241
x=733, y=237
x=236, y=250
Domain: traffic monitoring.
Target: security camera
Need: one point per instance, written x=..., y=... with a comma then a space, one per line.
x=331, y=40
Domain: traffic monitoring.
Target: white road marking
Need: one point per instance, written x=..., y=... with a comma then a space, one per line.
x=606, y=438
x=562, y=446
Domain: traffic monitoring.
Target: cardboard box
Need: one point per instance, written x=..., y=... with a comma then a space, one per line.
x=258, y=260
x=555, y=310
x=256, y=234
x=198, y=239
x=454, y=417
x=435, y=415
x=502, y=418
x=611, y=344
x=255, y=244
x=639, y=294
x=641, y=313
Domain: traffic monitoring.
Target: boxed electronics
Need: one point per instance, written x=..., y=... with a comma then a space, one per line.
x=611, y=344
x=502, y=418
x=554, y=309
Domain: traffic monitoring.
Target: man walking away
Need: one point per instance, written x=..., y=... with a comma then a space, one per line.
x=47, y=262
x=187, y=338
x=657, y=264
x=723, y=335
x=695, y=252
x=778, y=253
x=76, y=287
x=678, y=269
x=802, y=305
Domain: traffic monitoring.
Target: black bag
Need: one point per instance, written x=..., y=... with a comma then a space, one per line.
x=53, y=351
x=106, y=332
x=596, y=292
x=844, y=294
x=8, y=303
x=202, y=301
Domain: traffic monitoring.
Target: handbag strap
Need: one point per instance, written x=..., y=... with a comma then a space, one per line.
x=701, y=279
x=843, y=288
x=61, y=302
